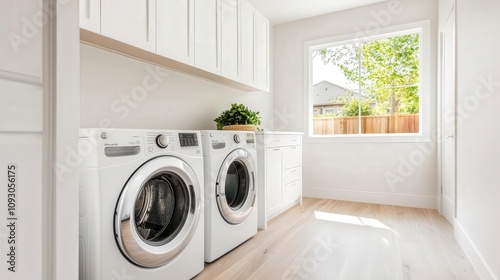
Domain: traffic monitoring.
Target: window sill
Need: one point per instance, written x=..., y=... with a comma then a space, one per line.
x=374, y=138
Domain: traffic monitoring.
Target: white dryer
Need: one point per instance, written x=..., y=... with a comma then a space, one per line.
x=230, y=190
x=141, y=204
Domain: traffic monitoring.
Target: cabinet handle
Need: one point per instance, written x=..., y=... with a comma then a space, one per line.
x=188, y=27
x=88, y=9
x=147, y=20
x=276, y=150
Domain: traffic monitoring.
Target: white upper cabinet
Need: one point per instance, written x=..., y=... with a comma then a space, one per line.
x=207, y=32
x=261, y=52
x=247, y=43
x=230, y=41
x=175, y=30
x=228, y=38
x=133, y=22
x=90, y=15
x=254, y=47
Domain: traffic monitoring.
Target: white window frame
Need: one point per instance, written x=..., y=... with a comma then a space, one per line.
x=423, y=27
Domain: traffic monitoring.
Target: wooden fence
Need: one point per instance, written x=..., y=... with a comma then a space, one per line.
x=397, y=123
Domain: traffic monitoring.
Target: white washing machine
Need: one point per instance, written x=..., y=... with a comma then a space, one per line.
x=141, y=204
x=230, y=190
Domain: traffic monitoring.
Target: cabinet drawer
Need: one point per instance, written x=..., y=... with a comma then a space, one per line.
x=292, y=156
x=293, y=174
x=280, y=140
x=293, y=140
x=293, y=191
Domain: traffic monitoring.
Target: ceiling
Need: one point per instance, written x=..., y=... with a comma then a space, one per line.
x=281, y=11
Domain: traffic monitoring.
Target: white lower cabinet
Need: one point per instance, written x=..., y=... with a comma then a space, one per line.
x=273, y=179
x=280, y=173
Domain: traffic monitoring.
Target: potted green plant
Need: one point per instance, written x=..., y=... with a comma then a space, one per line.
x=238, y=117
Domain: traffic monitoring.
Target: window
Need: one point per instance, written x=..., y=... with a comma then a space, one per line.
x=379, y=85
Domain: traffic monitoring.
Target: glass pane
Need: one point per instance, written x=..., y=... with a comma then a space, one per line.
x=237, y=185
x=390, y=78
x=335, y=90
x=160, y=209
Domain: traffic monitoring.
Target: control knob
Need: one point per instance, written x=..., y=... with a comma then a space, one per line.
x=236, y=138
x=162, y=141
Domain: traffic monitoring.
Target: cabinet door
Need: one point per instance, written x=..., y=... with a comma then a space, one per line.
x=274, y=180
x=230, y=43
x=293, y=192
x=247, y=43
x=175, y=30
x=207, y=43
x=90, y=15
x=133, y=22
x=261, y=46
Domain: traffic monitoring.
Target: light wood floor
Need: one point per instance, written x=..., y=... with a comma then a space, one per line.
x=329, y=239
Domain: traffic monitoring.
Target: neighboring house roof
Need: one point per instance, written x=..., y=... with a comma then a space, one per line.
x=324, y=92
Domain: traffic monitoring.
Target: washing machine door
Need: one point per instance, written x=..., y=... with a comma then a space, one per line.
x=235, y=187
x=157, y=212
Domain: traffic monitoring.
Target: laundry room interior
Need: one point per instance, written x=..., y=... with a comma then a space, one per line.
x=135, y=178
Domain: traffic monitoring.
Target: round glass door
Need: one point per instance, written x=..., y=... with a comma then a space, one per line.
x=236, y=187
x=157, y=212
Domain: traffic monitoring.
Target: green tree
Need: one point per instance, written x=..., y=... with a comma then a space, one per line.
x=351, y=107
x=386, y=69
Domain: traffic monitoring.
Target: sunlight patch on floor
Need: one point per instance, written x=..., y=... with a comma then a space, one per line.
x=353, y=220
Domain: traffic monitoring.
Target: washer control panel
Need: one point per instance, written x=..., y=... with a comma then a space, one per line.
x=187, y=142
x=242, y=139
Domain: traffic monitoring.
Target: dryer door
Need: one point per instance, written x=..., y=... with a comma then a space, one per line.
x=157, y=212
x=235, y=187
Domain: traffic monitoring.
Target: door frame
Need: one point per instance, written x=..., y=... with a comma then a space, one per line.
x=442, y=137
x=61, y=109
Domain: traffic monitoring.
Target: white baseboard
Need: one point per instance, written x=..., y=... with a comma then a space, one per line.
x=471, y=251
x=418, y=201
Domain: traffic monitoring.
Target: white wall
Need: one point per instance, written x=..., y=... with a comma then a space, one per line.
x=478, y=133
x=355, y=171
x=122, y=92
